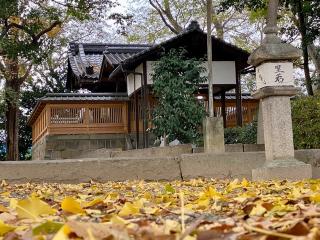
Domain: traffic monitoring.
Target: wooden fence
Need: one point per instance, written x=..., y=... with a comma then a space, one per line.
x=81, y=119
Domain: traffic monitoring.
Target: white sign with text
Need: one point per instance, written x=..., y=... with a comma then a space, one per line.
x=274, y=74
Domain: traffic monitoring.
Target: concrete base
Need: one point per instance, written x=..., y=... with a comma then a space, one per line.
x=283, y=169
x=213, y=135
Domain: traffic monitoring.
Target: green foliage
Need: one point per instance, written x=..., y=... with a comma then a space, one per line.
x=306, y=122
x=245, y=135
x=52, y=81
x=27, y=27
x=257, y=8
x=28, y=37
x=178, y=114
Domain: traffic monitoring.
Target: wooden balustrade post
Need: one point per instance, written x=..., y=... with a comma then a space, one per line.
x=48, y=114
x=86, y=117
x=125, y=116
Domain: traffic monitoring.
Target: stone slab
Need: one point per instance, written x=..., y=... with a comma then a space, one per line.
x=223, y=165
x=75, y=171
x=234, y=147
x=253, y=147
x=169, y=151
x=290, y=172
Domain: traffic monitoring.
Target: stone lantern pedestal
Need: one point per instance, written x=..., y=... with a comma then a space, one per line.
x=277, y=125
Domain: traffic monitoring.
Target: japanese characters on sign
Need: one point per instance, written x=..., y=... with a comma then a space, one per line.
x=274, y=74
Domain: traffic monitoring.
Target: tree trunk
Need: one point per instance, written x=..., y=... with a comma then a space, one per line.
x=315, y=57
x=12, y=131
x=12, y=90
x=304, y=39
x=308, y=80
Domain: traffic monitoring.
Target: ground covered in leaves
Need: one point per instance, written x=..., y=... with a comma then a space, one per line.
x=195, y=209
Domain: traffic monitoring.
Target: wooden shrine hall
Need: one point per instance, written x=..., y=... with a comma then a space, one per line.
x=111, y=101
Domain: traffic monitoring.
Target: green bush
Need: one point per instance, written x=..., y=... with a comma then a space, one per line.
x=246, y=134
x=175, y=80
x=306, y=122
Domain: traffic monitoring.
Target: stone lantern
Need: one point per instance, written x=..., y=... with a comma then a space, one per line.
x=274, y=78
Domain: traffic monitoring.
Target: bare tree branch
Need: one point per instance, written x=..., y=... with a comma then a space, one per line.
x=44, y=31
x=172, y=29
x=167, y=11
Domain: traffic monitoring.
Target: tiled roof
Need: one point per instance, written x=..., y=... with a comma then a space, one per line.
x=116, y=58
x=86, y=59
x=85, y=97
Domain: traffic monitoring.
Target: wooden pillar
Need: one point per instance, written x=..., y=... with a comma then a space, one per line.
x=129, y=116
x=136, y=111
x=238, y=97
x=223, y=108
x=145, y=106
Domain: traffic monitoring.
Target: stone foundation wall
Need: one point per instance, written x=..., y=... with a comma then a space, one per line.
x=75, y=146
x=55, y=147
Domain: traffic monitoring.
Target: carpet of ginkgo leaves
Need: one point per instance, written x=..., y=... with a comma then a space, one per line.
x=195, y=209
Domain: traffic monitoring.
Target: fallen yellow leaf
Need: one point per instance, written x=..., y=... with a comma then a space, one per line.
x=129, y=209
x=5, y=228
x=245, y=183
x=3, y=209
x=63, y=233
x=258, y=210
x=70, y=205
x=32, y=208
x=315, y=198
x=118, y=220
x=93, y=202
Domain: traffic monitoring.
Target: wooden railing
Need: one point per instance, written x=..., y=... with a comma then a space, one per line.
x=249, y=112
x=81, y=119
